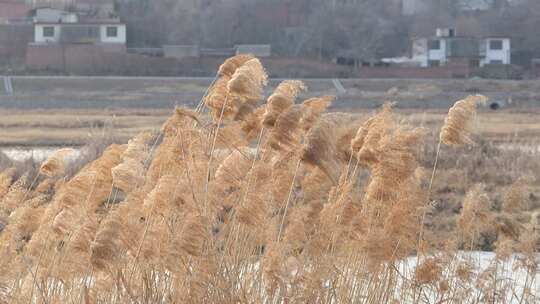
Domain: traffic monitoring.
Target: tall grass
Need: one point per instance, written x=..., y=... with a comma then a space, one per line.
x=261, y=203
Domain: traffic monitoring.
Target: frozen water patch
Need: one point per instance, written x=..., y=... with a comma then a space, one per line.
x=35, y=154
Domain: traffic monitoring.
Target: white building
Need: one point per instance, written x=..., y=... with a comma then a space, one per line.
x=445, y=47
x=76, y=33
x=53, y=25
x=495, y=50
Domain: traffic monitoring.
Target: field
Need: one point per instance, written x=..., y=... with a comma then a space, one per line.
x=282, y=201
x=59, y=111
x=72, y=127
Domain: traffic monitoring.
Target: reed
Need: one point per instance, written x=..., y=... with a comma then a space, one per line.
x=263, y=203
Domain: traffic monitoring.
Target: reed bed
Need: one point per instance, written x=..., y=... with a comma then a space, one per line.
x=246, y=201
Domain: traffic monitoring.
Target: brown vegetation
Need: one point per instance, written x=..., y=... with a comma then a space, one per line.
x=271, y=203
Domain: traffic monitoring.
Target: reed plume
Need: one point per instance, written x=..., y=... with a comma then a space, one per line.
x=392, y=162
x=216, y=98
x=370, y=133
x=248, y=81
x=314, y=108
x=55, y=165
x=320, y=148
x=229, y=67
x=180, y=119
x=476, y=216
x=129, y=174
x=283, y=98
x=87, y=190
x=252, y=123
x=286, y=134
x=515, y=199
x=455, y=131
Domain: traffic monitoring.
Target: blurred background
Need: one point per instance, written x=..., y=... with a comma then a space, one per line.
x=300, y=38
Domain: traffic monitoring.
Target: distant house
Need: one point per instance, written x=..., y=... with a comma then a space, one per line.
x=73, y=39
x=448, y=48
x=53, y=26
x=88, y=32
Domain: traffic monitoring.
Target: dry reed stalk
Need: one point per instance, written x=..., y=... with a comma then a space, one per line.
x=393, y=162
x=14, y=197
x=288, y=201
x=314, y=108
x=475, y=217
x=319, y=149
x=369, y=135
x=246, y=84
x=129, y=174
x=6, y=178
x=252, y=123
x=89, y=188
x=515, y=198
x=286, y=134
x=215, y=100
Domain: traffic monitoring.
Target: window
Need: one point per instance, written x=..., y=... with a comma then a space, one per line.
x=474, y=63
x=434, y=63
x=434, y=44
x=112, y=31
x=48, y=31
x=495, y=44
x=495, y=62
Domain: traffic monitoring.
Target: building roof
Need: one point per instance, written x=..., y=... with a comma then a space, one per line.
x=85, y=22
x=464, y=37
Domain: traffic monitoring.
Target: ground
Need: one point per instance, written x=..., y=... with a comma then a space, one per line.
x=55, y=111
x=59, y=127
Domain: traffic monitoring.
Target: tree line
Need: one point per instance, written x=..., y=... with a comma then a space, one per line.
x=366, y=29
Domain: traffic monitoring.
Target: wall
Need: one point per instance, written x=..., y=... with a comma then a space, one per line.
x=181, y=51
x=88, y=59
x=439, y=54
x=14, y=39
x=503, y=55
x=38, y=33
x=121, y=38
x=415, y=72
x=419, y=51
x=259, y=50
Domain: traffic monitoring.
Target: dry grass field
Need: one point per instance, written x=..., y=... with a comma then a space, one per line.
x=72, y=127
x=281, y=201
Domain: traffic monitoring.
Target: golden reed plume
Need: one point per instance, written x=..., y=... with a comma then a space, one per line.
x=55, y=164
x=455, y=131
